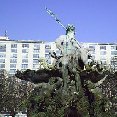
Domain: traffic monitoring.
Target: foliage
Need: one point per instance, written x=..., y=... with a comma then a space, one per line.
x=13, y=93
x=49, y=100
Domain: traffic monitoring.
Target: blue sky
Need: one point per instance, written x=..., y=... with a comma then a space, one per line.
x=95, y=20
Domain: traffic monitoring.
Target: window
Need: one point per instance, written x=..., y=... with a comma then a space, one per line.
x=24, y=66
x=113, y=52
x=24, y=50
x=25, y=56
x=12, y=71
x=35, y=61
x=92, y=47
x=13, y=55
x=102, y=47
x=13, y=45
x=37, y=46
x=36, y=50
x=35, y=66
x=25, y=45
x=103, y=53
x=35, y=55
x=14, y=50
x=12, y=65
x=103, y=62
x=2, y=60
x=92, y=52
x=112, y=62
x=113, y=47
x=13, y=60
x=2, y=55
x=2, y=47
x=24, y=60
x=47, y=51
x=47, y=56
x=47, y=46
x=114, y=58
x=2, y=65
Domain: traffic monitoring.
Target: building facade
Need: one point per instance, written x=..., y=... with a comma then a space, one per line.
x=22, y=54
x=25, y=54
x=106, y=53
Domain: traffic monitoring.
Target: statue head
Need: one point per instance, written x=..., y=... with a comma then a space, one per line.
x=70, y=28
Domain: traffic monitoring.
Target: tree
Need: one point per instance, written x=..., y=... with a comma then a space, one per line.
x=13, y=92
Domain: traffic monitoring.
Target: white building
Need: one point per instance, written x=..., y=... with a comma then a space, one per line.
x=104, y=52
x=25, y=54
